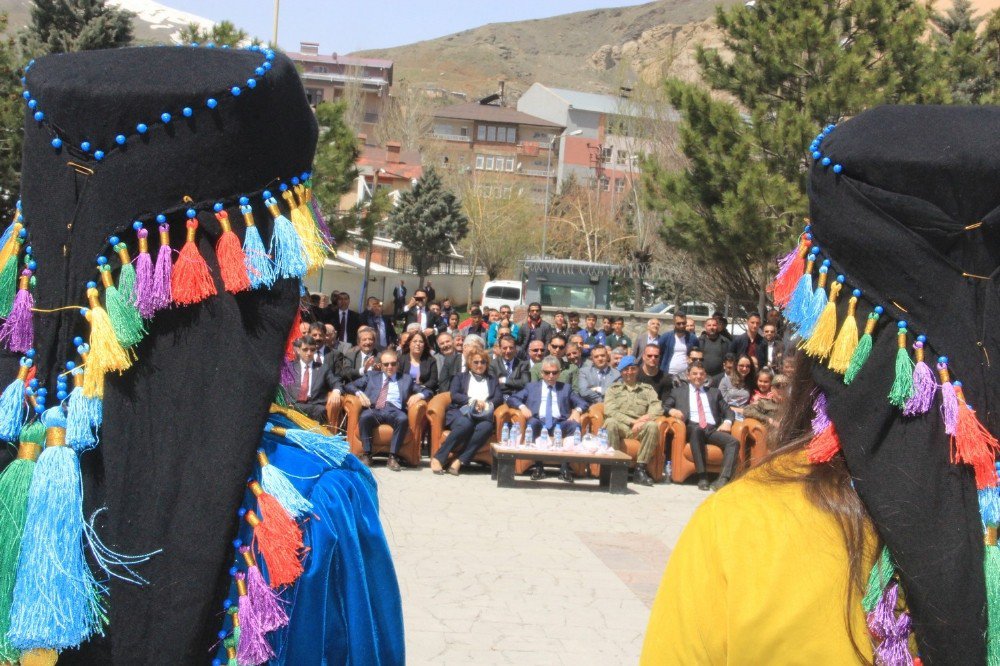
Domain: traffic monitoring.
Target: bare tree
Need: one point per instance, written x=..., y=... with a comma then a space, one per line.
x=407, y=116
x=353, y=97
x=581, y=224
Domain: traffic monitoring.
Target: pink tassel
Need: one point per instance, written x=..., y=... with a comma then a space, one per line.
x=144, y=294
x=267, y=605
x=17, y=332
x=882, y=619
x=163, y=273
x=821, y=420
x=252, y=648
x=949, y=400
x=923, y=385
x=324, y=228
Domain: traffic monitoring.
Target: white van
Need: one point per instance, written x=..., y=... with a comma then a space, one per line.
x=501, y=292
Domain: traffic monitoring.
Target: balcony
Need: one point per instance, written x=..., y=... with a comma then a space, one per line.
x=450, y=137
x=543, y=173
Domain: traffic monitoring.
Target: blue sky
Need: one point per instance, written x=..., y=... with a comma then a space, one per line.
x=342, y=26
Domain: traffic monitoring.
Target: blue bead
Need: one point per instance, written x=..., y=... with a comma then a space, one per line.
x=32, y=265
x=957, y=383
x=102, y=260
x=921, y=338
x=837, y=168
x=218, y=207
x=27, y=250
x=879, y=309
x=137, y=225
x=43, y=391
x=77, y=341
x=809, y=236
x=34, y=382
x=57, y=143
x=825, y=161
x=210, y=45
x=901, y=324
x=816, y=154
x=187, y=111
x=40, y=407
x=295, y=180
x=91, y=285
x=237, y=543
x=856, y=293
x=826, y=263
x=242, y=512
x=61, y=395
x=39, y=116
x=120, y=139
x=26, y=95
x=840, y=279
x=244, y=201
x=233, y=570
x=98, y=154
x=165, y=117
x=259, y=71
x=191, y=212
x=114, y=240
x=942, y=359
x=269, y=55
x=251, y=83
x=85, y=146
x=227, y=604
x=266, y=194
x=267, y=66
x=235, y=90
x=305, y=175
x=161, y=218
x=283, y=187
x=814, y=251
x=70, y=364
x=211, y=103
x=23, y=233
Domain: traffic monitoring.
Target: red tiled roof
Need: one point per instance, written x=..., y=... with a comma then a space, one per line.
x=491, y=113
x=408, y=166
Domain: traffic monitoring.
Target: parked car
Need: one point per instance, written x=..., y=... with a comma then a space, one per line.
x=502, y=292
x=691, y=308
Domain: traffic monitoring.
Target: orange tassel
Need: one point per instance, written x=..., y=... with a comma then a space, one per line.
x=824, y=446
x=973, y=444
x=293, y=335
x=271, y=510
x=282, y=549
x=785, y=282
x=191, y=281
x=232, y=260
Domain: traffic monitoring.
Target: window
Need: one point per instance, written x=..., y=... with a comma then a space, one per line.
x=606, y=154
x=502, y=134
x=491, y=133
x=481, y=133
x=619, y=185
x=489, y=163
x=463, y=131
x=496, y=133
x=510, y=164
x=564, y=296
x=511, y=135
x=441, y=128
x=480, y=161
x=622, y=157
x=320, y=69
x=605, y=183
x=503, y=293
x=314, y=96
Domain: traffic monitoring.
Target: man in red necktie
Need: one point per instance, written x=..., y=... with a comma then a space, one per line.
x=314, y=381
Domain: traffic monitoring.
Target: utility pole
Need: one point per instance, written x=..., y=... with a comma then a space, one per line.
x=274, y=36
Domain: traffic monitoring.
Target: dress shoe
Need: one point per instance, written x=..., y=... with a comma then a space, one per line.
x=703, y=483
x=454, y=467
x=537, y=473
x=436, y=466
x=641, y=476
x=719, y=482
x=366, y=459
x=393, y=464
x=566, y=475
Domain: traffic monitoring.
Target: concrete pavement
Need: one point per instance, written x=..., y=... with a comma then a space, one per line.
x=539, y=574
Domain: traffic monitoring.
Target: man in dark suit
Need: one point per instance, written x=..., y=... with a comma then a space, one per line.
x=750, y=343
x=429, y=290
x=512, y=372
x=385, y=397
x=774, y=349
x=418, y=312
x=385, y=331
x=399, y=299
x=347, y=320
x=534, y=328
x=709, y=421
x=361, y=358
x=549, y=403
x=315, y=382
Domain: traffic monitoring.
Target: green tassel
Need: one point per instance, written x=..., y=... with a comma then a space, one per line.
x=15, y=482
x=859, y=358
x=125, y=318
x=126, y=284
x=991, y=564
x=8, y=286
x=902, y=386
x=279, y=397
x=880, y=576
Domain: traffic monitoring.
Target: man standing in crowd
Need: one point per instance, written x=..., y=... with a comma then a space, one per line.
x=559, y=324
x=630, y=410
x=431, y=294
x=513, y=373
x=417, y=312
x=607, y=330
x=360, y=359
x=675, y=346
x=714, y=346
x=535, y=328
x=618, y=337
x=774, y=349
x=650, y=337
x=709, y=421
x=385, y=397
x=691, y=326
x=399, y=299
x=723, y=326
x=347, y=320
x=548, y=403
x=557, y=350
x=446, y=309
x=475, y=323
x=591, y=336
x=385, y=331
x=505, y=320
x=574, y=322
x=651, y=373
x=593, y=381
x=751, y=343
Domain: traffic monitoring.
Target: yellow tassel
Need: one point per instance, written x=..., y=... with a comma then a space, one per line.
x=12, y=243
x=39, y=657
x=106, y=354
x=823, y=334
x=312, y=242
x=847, y=339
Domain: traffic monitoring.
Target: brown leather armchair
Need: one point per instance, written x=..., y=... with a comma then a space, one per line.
x=593, y=420
x=682, y=460
x=409, y=451
x=333, y=416
x=437, y=408
x=753, y=440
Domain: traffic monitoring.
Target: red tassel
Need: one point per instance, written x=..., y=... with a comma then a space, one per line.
x=973, y=444
x=232, y=260
x=824, y=446
x=785, y=282
x=281, y=547
x=293, y=335
x=191, y=281
x=272, y=511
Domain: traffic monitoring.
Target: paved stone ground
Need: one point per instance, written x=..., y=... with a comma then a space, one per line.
x=539, y=574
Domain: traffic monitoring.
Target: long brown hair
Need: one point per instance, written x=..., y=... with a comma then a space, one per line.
x=829, y=487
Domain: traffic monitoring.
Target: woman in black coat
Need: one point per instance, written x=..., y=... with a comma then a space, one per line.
x=475, y=394
x=417, y=362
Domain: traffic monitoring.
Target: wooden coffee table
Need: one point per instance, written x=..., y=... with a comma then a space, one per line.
x=614, y=466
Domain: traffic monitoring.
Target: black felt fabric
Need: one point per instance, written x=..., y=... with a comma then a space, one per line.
x=894, y=222
x=181, y=427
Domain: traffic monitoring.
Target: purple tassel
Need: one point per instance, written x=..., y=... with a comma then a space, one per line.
x=287, y=374
x=324, y=228
x=266, y=604
x=252, y=647
x=786, y=262
x=161, y=296
x=882, y=619
x=923, y=390
x=144, y=294
x=895, y=649
x=949, y=403
x=17, y=333
x=821, y=420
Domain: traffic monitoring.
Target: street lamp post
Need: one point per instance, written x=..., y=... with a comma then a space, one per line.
x=548, y=178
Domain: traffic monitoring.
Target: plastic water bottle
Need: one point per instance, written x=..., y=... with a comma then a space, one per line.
x=577, y=439
x=515, y=435
x=529, y=437
x=668, y=472
x=557, y=436
x=505, y=435
x=602, y=437
x=543, y=439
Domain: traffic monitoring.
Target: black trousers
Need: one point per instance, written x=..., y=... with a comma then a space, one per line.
x=312, y=410
x=467, y=436
x=388, y=415
x=699, y=438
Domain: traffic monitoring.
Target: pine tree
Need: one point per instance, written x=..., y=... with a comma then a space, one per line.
x=334, y=171
x=61, y=26
x=426, y=221
x=960, y=17
x=11, y=121
x=223, y=33
x=792, y=67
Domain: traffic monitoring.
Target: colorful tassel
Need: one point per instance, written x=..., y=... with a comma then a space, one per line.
x=12, y=409
x=145, y=296
x=331, y=449
x=267, y=605
x=252, y=647
x=277, y=485
x=260, y=268
x=802, y=295
x=191, y=281
x=57, y=601
x=895, y=650
x=17, y=332
x=106, y=354
x=15, y=483
x=287, y=376
x=882, y=620
x=864, y=348
x=282, y=549
x=234, y=616
x=163, y=271
x=824, y=446
x=812, y=311
x=286, y=246
x=125, y=318
x=80, y=416
x=126, y=276
x=821, y=419
x=847, y=340
x=824, y=333
x=902, y=385
x=989, y=504
x=230, y=645
x=13, y=238
x=313, y=245
x=8, y=286
x=973, y=444
x=271, y=511
x=991, y=568
x=924, y=385
x=880, y=576
x=229, y=252
x=949, y=399
x=790, y=271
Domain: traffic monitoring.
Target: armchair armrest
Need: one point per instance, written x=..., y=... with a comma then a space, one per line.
x=506, y=414
x=436, y=410
x=417, y=415
x=593, y=419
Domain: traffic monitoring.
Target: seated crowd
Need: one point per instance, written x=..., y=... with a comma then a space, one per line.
x=553, y=372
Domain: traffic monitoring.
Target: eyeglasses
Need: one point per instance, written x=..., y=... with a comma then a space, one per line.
x=389, y=364
x=479, y=362
x=548, y=373
x=556, y=346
